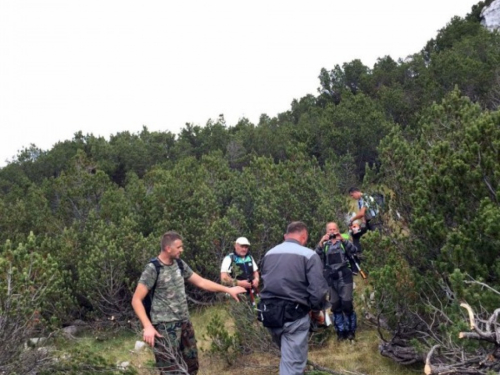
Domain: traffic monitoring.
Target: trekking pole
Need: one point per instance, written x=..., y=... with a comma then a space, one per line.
x=361, y=272
x=256, y=290
x=252, y=297
x=253, y=289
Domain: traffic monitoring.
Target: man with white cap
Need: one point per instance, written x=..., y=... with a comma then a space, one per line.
x=239, y=268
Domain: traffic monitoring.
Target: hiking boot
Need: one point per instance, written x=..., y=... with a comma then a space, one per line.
x=350, y=335
x=341, y=336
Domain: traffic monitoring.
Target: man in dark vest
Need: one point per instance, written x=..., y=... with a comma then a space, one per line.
x=239, y=268
x=335, y=253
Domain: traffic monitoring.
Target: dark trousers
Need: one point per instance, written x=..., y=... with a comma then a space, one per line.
x=341, y=297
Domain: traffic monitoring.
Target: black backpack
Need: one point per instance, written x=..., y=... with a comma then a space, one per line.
x=148, y=300
x=379, y=199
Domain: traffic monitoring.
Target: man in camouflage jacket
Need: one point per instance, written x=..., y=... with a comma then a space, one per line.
x=169, y=331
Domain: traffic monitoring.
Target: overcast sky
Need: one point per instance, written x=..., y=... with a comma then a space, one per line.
x=108, y=66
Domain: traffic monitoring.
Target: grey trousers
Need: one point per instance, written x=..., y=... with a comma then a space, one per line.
x=292, y=340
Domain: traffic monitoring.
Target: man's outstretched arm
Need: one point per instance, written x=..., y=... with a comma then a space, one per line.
x=210, y=286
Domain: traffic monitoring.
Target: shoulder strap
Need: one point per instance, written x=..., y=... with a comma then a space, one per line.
x=157, y=265
x=233, y=261
x=323, y=256
x=347, y=254
x=181, y=266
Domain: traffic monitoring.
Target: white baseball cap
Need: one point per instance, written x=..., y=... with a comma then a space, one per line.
x=242, y=241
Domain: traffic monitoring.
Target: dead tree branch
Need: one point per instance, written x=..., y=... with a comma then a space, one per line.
x=488, y=331
x=318, y=367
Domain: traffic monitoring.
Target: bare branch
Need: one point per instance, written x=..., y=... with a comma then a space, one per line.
x=427, y=367
x=483, y=285
x=330, y=371
x=471, y=314
x=469, y=335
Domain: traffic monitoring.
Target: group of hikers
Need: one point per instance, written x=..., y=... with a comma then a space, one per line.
x=298, y=285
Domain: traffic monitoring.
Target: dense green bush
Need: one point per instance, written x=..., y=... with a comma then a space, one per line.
x=80, y=221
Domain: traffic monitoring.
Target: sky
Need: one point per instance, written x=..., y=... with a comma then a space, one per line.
x=106, y=66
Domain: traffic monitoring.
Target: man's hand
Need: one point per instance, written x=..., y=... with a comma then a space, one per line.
x=325, y=238
x=255, y=283
x=235, y=290
x=244, y=283
x=318, y=317
x=149, y=335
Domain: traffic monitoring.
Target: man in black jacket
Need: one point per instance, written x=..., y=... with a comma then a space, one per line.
x=293, y=285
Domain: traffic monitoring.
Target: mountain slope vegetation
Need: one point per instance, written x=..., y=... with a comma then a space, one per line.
x=79, y=221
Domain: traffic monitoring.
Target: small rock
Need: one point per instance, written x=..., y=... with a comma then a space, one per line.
x=139, y=345
x=70, y=331
x=36, y=341
x=123, y=365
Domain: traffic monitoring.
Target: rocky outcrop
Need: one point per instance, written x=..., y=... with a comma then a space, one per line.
x=490, y=16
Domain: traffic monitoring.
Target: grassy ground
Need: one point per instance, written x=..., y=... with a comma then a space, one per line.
x=362, y=356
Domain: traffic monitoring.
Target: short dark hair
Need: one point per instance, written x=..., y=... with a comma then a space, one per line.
x=353, y=189
x=296, y=227
x=168, y=238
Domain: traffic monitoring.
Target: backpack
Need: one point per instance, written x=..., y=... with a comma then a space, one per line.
x=379, y=199
x=373, y=204
x=148, y=300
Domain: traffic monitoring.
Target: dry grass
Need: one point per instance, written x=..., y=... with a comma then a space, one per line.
x=362, y=356
x=359, y=357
